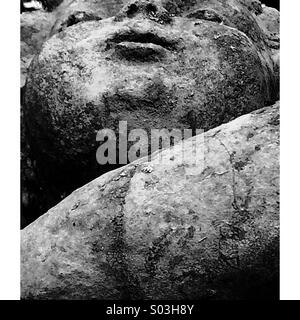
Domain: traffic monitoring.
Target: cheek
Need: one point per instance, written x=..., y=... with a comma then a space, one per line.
x=99, y=82
x=223, y=81
x=227, y=66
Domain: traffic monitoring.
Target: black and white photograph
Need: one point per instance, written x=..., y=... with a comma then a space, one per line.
x=149, y=160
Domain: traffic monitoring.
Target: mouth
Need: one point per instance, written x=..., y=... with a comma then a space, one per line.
x=141, y=46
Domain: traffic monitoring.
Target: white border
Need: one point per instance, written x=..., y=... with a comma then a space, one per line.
x=9, y=158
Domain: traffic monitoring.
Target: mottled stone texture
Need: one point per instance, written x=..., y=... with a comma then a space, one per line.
x=153, y=73
x=168, y=231
x=35, y=29
x=178, y=64
x=96, y=9
x=38, y=26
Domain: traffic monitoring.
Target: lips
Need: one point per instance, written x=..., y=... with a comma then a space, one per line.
x=141, y=46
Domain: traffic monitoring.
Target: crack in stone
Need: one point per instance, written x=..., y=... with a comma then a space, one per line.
x=127, y=283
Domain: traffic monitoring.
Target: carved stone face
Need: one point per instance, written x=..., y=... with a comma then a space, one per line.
x=156, y=64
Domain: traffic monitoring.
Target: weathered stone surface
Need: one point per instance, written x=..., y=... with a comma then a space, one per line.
x=148, y=68
x=269, y=21
x=90, y=9
x=35, y=29
x=168, y=230
x=38, y=26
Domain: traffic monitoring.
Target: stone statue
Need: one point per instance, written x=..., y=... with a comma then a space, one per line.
x=155, y=64
x=146, y=230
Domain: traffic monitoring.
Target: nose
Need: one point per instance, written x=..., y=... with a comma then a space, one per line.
x=147, y=9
